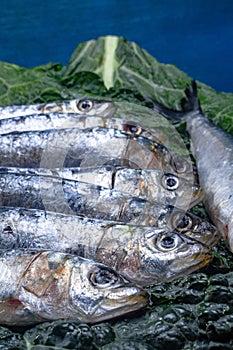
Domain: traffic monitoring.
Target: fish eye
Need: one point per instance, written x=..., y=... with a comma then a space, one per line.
x=182, y=222
x=85, y=105
x=170, y=182
x=162, y=241
x=103, y=277
x=133, y=129
x=167, y=242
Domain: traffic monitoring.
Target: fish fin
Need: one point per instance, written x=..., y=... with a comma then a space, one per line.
x=191, y=102
x=188, y=104
x=167, y=112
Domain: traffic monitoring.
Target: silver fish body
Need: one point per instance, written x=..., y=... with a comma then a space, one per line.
x=51, y=121
x=144, y=255
x=152, y=185
x=44, y=286
x=213, y=151
x=87, y=106
x=91, y=147
x=36, y=122
x=78, y=198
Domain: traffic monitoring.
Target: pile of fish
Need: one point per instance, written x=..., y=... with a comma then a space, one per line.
x=95, y=207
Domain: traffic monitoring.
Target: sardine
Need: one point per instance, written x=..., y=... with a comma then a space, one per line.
x=30, y=149
x=213, y=151
x=38, y=286
x=36, y=122
x=87, y=106
x=121, y=115
x=152, y=185
x=51, y=121
x=147, y=120
x=70, y=147
x=78, y=198
x=143, y=255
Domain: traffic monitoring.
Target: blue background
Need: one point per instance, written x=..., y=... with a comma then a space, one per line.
x=196, y=36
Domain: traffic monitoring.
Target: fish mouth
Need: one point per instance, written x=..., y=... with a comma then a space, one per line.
x=120, y=301
x=195, y=262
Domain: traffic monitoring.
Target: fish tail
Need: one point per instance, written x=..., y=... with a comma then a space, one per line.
x=188, y=104
x=191, y=102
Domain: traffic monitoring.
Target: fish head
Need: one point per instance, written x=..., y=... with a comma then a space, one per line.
x=167, y=254
x=182, y=165
x=56, y=285
x=185, y=191
x=190, y=224
x=100, y=293
x=85, y=106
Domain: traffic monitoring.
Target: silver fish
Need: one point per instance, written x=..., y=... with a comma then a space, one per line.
x=144, y=255
x=91, y=147
x=148, y=123
x=51, y=121
x=87, y=106
x=152, y=185
x=78, y=198
x=45, y=286
x=213, y=151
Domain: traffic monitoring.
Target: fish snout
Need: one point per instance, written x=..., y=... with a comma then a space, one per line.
x=127, y=298
x=129, y=293
x=117, y=302
x=194, y=227
x=205, y=233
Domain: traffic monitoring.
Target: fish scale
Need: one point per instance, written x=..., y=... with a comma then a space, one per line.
x=142, y=254
x=70, y=147
x=152, y=185
x=41, y=286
